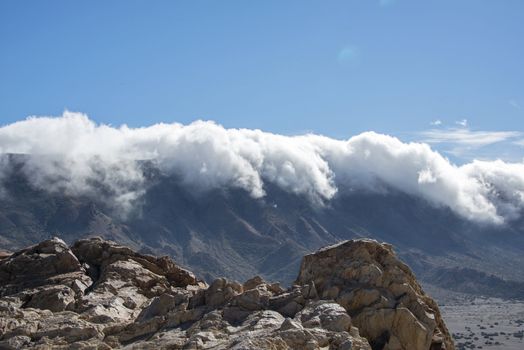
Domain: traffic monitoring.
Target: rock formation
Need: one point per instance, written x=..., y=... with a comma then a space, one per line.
x=379, y=292
x=100, y=295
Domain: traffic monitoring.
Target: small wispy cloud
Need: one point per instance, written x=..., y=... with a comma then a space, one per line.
x=515, y=104
x=467, y=144
x=519, y=142
x=468, y=137
x=463, y=123
x=437, y=122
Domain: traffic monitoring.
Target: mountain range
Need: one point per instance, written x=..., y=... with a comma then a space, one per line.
x=227, y=232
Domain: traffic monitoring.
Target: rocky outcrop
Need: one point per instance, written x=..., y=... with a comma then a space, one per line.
x=379, y=292
x=100, y=295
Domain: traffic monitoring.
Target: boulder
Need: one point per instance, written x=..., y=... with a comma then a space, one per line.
x=325, y=314
x=220, y=292
x=379, y=292
x=97, y=252
x=48, y=262
x=159, y=306
x=52, y=298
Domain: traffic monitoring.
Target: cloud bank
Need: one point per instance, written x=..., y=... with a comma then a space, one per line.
x=74, y=155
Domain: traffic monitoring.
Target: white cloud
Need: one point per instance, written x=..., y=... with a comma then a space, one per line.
x=436, y=122
x=519, y=142
x=73, y=154
x=463, y=123
x=467, y=137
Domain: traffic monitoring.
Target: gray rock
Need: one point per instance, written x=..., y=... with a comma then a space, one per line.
x=159, y=306
x=53, y=298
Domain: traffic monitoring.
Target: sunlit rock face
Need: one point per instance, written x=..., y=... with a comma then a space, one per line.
x=379, y=292
x=97, y=294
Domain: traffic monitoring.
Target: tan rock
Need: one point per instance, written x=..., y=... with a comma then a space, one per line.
x=220, y=292
x=53, y=298
x=253, y=282
x=100, y=295
x=158, y=306
x=379, y=292
x=326, y=315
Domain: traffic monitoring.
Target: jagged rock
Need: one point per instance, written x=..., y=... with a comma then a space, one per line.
x=57, y=297
x=220, y=292
x=380, y=293
x=100, y=295
x=4, y=254
x=46, y=263
x=256, y=298
x=98, y=252
x=53, y=298
x=161, y=306
x=325, y=314
x=16, y=342
x=290, y=324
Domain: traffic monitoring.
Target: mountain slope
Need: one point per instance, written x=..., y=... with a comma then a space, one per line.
x=229, y=233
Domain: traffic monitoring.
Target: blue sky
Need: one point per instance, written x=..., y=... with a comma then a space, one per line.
x=332, y=67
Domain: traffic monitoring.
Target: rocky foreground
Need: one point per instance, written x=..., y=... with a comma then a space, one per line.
x=100, y=295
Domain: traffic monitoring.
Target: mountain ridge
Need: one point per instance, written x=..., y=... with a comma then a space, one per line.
x=229, y=233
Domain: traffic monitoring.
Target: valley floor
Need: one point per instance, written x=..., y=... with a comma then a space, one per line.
x=484, y=323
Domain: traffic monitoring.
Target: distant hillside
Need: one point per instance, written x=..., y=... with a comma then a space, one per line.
x=229, y=233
